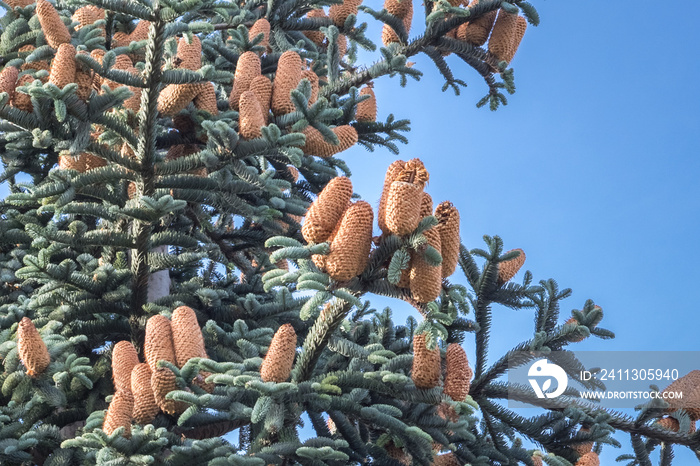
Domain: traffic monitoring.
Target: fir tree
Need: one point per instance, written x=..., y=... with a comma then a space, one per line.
x=182, y=257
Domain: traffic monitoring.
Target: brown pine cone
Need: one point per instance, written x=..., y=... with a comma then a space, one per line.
x=287, y=78
x=351, y=245
x=124, y=358
x=87, y=15
x=63, y=66
x=458, y=375
x=21, y=100
x=326, y=211
x=261, y=86
x=403, y=207
x=163, y=381
x=690, y=402
x=247, y=69
x=506, y=36
x=279, y=359
x=398, y=8
x=175, y=97
x=158, y=343
x=32, y=349
x=251, y=118
x=389, y=35
x=589, y=459
x=145, y=407
x=206, y=99
x=187, y=336
x=448, y=226
x=367, y=109
x=119, y=413
x=426, y=364
x=261, y=26
x=189, y=55
x=313, y=80
x=340, y=12
x=426, y=279
x=477, y=32
x=8, y=80
x=55, y=31
x=446, y=460
x=317, y=145
x=317, y=37
x=391, y=173
x=508, y=269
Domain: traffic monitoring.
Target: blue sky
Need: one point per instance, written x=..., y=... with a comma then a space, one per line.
x=591, y=168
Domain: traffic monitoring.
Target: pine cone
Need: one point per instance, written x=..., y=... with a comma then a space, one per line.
x=67, y=162
x=331, y=426
x=87, y=15
x=403, y=207
x=446, y=460
x=124, y=358
x=506, y=36
x=342, y=42
x=187, y=336
x=326, y=211
x=163, y=381
x=251, y=118
x=689, y=385
x=189, y=55
x=458, y=374
x=175, y=97
x=8, y=80
x=351, y=245
x=313, y=79
x=477, y=32
x=279, y=359
x=508, y=269
x=133, y=103
x=84, y=78
x=389, y=36
x=585, y=447
x=317, y=37
x=63, y=66
x=98, y=55
x=119, y=413
x=340, y=12
x=206, y=99
x=426, y=364
x=317, y=145
x=520, y=28
x=589, y=459
x=391, y=173
x=287, y=78
x=426, y=279
x=261, y=26
x=398, y=8
x=21, y=100
x=122, y=62
x=145, y=407
x=247, y=69
x=537, y=460
x=55, y=32
x=158, y=343
x=448, y=226
x=367, y=109
x=32, y=349
x=140, y=32
x=261, y=86
x=426, y=205
x=673, y=424
x=398, y=453
x=19, y=3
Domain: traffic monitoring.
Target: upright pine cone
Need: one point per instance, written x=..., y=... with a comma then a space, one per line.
x=119, y=413
x=287, y=78
x=389, y=35
x=426, y=364
x=21, y=100
x=206, y=99
x=279, y=359
x=342, y=42
x=426, y=279
x=340, y=12
x=63, y=66
x=477, y=32
x=316, y=37
x=313, y=80
x=19, y=3
x=351, y=245
x=391, y=173
x=585, y=447
x=261, y=86
x=87, y=15
x=247, y=69
x=187, y=336
x=326, y=211
x=163, y=381
x=8, y=80
x=589, y=459
x=446, y=460
x=520, y=28
x=689, y=385
x=250, y=118
x=260, y=26
x=175, y=97
x=317, y=145
x=506, y=36
x=189, y=54
x=508, y=269
x=673, y=424
x=55, y=32
x=403, y=204
x=448, y=226
x=159, y=342
x=367, y=109
x=84, y=78
x=458, y=375
x=32, y=349
x=145, y=407
x=398, y=8
x=426, y=205
x=124, y=358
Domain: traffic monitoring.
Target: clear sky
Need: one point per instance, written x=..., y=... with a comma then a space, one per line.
x=592, y=168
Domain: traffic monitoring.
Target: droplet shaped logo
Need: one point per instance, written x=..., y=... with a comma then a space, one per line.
x=541, y=369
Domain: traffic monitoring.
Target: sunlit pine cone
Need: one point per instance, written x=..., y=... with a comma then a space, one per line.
x=247, y=69
x=159, y=342
x=404, y=199
x=55, y=31
x=21, y=100
x=175, y=97
x=477, y=32
x=261, y=86
x=183, y=150
x=145, y=407
x=189, y=55
x=313, y=80
x=426, y=205
x=187, y=336
x=19, y=3
x=279, y=359
x=398, y=8
x=133, y=103
x=327, y=211
x=351, y=245
x=340, y=12
x=391, y=173
x=690, y=401
x=163, y=381
x=589, y=459
x=448, y=226
x=389, y=36
x=448, y=459
x=251, y=118
x=287, y=78
x=458, y=374
x=367, y=109
x=508, y=269
x=124, y=358
x=320, y=259
x=32, y=349
x=262, y=25
x=426, y=279
x=119, y=413
x=317, y=145
x=8, y=80
x=63, y=66
x=520, y=28
x=87, y=15
x=34, y=65
x=426, y=364
x=506, y=35
x=140, y=32
x=317, y=37
x=206, y=99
